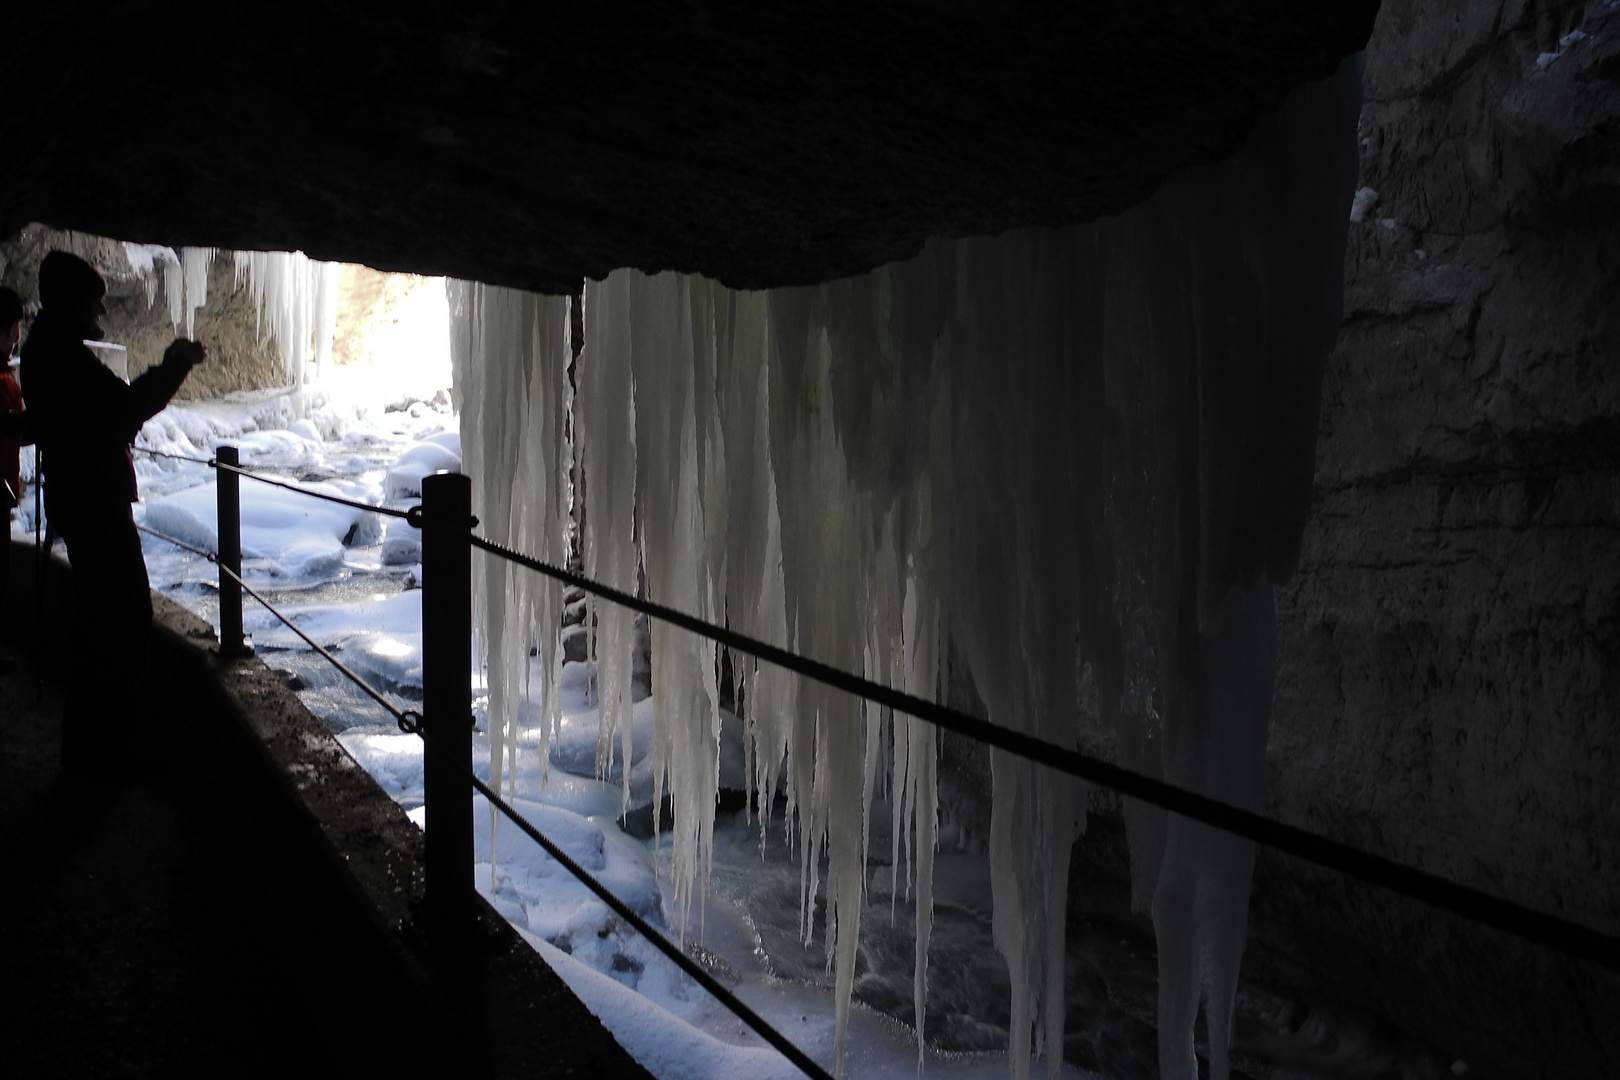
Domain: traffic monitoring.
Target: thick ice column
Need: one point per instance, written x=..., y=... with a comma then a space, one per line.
x=605, y=413
x=1254, y=248
x=325, y=314
x=1020, y=575
x=543, y=475
x=509, y=352
x=827, y=539
x=672, y=332
x=194, y=264
x=755, y=594
x=1201, y=906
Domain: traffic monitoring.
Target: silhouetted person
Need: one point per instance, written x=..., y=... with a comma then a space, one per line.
x=84, y=420
x=13, y=436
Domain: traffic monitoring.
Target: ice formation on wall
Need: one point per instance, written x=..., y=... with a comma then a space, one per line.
x=1081, y=457
x=297, y=297
x=184, y=274
x=294, y=294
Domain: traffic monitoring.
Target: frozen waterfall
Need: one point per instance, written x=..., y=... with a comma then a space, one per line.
x=1076, y=459
x=295, y=296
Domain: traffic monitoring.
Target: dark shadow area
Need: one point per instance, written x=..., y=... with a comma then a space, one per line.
x=239, y=898
x=140, y=942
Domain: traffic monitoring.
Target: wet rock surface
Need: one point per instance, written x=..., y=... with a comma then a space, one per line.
x=1447, y=692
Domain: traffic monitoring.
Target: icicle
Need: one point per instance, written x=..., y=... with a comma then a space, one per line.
x=325, y=313
x=606, y=416
x=194, y=263
x=174, y=291
x=143, y=263
x=514, y=409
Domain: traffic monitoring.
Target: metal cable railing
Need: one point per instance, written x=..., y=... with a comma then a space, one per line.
x=658, y=940
x=255, y=474
x=386, y=511
x=409, y=720
x=172, y=457
x=1505, y=915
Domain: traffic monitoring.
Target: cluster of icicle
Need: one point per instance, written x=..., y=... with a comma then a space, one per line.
x=295, y=296
x=681, y=412
x=1074, y=455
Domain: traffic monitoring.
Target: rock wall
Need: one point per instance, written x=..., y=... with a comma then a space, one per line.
x=1449, y=690
x=138, y=315
x=367, y=300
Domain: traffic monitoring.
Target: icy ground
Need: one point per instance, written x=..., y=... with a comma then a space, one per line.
x=349, y=579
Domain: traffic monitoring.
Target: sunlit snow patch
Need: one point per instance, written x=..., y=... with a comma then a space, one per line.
x=433, y=454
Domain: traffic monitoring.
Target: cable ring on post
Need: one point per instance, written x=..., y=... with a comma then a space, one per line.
x=410, y=722
x=413, y=518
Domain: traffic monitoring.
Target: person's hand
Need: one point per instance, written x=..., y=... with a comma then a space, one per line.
x=193, y=352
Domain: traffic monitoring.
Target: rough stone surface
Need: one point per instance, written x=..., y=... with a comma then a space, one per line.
x=240, y=356
x=1450, y=672
x=367, y=300
x=760, y=144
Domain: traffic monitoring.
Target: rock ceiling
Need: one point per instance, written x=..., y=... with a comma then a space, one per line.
x=761, y=144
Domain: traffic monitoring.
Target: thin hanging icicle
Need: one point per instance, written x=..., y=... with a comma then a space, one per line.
x=505, y=405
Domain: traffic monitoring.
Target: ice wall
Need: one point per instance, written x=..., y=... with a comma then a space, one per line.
x=297, y=301
x=510, y=352
x=1081, y=455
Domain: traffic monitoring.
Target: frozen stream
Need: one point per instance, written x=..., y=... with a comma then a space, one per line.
x=349, y=579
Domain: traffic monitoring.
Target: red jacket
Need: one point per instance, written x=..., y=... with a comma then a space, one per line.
x=11, y=401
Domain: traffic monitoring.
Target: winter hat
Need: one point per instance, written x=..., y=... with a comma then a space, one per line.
x=65, y=280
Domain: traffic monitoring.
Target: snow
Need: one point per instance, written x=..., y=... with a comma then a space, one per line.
x=1364, y=200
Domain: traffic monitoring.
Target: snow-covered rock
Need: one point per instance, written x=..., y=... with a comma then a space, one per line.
x=435, y=453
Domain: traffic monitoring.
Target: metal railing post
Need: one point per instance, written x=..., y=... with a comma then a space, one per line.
x=228, y=520
x=447, y=700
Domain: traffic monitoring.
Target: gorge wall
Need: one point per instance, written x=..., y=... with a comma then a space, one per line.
x=1449, y=679
x=241, y=355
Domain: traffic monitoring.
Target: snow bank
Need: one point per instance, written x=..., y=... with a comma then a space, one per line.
x=436, y=453
x=298, y=536
x=665, y=1045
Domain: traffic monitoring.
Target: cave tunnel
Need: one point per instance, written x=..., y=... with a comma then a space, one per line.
x=1357, y=514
